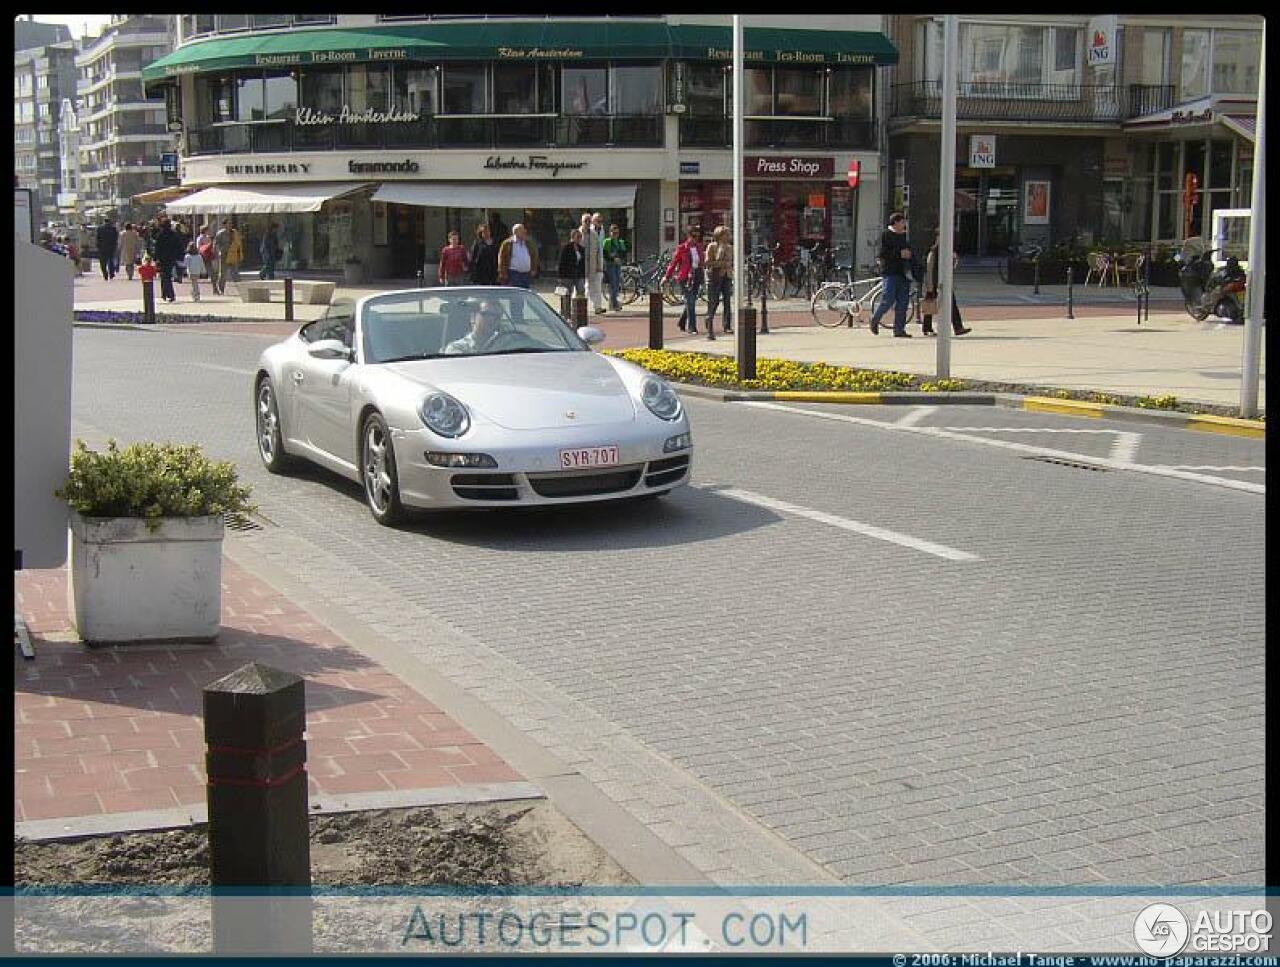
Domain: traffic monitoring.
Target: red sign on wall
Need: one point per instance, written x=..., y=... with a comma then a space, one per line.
x=788, y=168
x=855, y=172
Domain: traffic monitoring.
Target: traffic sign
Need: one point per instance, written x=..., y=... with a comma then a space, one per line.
x=855, y=172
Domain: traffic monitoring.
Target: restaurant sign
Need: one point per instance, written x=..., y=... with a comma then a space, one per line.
x=305, y=117
x=532, y=162
x=788, y=167
x=792, y=56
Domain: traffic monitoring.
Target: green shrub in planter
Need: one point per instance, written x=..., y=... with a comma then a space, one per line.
x=152, y=481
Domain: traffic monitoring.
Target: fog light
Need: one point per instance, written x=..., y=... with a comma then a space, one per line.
x=681, y=441
x=438, y=459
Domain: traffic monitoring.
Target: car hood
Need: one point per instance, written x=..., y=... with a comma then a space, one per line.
x=529, y=391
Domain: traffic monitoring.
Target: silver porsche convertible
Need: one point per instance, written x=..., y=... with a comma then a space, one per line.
x=467, y=397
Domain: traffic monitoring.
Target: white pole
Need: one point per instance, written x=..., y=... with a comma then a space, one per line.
x=946, y=197
x=1257, y=281
x=739, y=209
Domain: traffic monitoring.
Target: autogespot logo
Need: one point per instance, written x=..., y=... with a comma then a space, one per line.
x=1161, y=930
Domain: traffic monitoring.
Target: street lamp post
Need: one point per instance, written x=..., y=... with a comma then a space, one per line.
x=1257, y=283
x=946, y=197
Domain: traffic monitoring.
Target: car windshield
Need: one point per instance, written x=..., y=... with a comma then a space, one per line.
x=431, y=323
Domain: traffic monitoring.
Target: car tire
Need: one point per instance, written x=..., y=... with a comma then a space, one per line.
x=378, y=472
x=267, y=422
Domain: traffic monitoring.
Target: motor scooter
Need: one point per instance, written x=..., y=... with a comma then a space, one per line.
x=1207, y=291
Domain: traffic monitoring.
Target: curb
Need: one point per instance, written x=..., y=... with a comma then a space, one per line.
x=1204, y=422
x=112, y=325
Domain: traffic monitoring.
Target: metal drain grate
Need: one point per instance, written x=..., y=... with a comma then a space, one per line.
x=1069, y=463
x=244, y=522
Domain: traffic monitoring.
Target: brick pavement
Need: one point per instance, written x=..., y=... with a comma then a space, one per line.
x=119, y=729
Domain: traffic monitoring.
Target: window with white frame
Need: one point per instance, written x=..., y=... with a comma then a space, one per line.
x=1154, y=49
x=1005, y=59
x=1235, y=61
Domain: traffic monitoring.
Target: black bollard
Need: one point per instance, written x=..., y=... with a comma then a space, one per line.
x=1035, y=264
x=149, y=301
x=579, y=311
x=565, y=309
x=764, y=308
x=1146, y=284
x=418, y=279
x=747, y=343
x=1070, y=294
x=655, y=320
x=288, y=298
x=259, y=829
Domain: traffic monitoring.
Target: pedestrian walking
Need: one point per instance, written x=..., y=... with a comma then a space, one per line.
x=454, y=262
x=130, y=249
x=184, y=239
x=895, y=266
x=269, y=252
x=107, y=237
x=208, y=255
x=719, y=277
x=169, y=253
x=593, y=243
x=518, y=259
x=687, y=265
x=484, y=257
x=195, y=267
x=615, y=256
x=573, y=265
x=931, y=294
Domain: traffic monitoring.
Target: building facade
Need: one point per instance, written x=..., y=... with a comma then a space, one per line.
x=371, y=136
x=1124, y=129
x=42, y=77
x=122, y=131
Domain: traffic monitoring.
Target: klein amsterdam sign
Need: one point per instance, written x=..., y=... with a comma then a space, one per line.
x=305, y=116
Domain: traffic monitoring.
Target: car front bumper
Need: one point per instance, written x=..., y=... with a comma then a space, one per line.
x=528, y=471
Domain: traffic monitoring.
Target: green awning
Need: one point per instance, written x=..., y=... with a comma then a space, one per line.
x=520, y=41
x=778, y=45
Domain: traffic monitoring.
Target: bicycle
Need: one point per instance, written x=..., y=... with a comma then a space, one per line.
x=853, y=301
x=1029, y=253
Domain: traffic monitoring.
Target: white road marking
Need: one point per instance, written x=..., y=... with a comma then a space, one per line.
x=1124, y=449
x=844, y=523
x=1179, y=466
x=225, y=369
x=915, y=415
x=1155, y=471
x=1017, y=429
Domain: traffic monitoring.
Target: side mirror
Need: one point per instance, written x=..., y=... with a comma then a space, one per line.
x=590, y=335
x=330, y=349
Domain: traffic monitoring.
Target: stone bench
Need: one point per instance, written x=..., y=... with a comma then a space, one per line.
x=305, y=292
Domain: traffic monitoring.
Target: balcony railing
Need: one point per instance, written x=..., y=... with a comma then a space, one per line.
x=643, y=131
x=985, y=101
x=801, y=133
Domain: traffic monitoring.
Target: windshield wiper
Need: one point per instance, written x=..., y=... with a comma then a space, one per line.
x=523, y=349
x=412, y=358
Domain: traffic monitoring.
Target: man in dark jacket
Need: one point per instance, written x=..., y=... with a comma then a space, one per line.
x=895, y=267
x=107, y=238
x=169, y=252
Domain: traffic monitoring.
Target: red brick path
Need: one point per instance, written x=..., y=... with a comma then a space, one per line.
x=119, y=729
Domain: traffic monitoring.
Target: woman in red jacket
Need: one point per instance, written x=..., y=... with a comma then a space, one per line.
x=454, y=262
x=687, y=266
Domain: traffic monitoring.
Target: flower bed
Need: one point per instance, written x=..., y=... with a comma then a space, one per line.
x=138, y=318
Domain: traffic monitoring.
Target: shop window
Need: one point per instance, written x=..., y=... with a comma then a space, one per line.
x=851, y=93
x=704, y=90
x=322, y=91
x=270, y=19
x=414, y=91
x=1219, y=164
x=280, y=92
x=584, y=90
x=798, y=92
x=233, y=21
x=637, y=89
x=523, y=88
x=1193, y=81
x=368, y=88
x=1235, y=61
x=758, y=92
x=466, y=89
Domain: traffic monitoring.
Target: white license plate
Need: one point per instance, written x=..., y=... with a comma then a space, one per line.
x=584, y=457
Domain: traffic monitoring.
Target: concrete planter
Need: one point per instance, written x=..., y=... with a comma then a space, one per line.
x=128, y=583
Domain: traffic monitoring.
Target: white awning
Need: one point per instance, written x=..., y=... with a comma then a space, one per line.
x=594, y=195
x=261, y=199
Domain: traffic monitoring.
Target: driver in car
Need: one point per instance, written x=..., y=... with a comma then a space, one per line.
x=484, y=330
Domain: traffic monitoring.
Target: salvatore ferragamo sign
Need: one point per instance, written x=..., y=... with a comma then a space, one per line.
x=532, y=162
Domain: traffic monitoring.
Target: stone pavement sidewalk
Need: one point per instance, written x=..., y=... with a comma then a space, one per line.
x=104, y=738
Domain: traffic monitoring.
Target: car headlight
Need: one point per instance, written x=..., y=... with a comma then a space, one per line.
x=661, y=399
x=444, y=415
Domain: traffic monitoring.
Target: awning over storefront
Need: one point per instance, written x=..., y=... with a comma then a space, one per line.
x=490, y=194
x=521, y=42
x=161, y=195
x=1245, y=126
x=261, y=199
